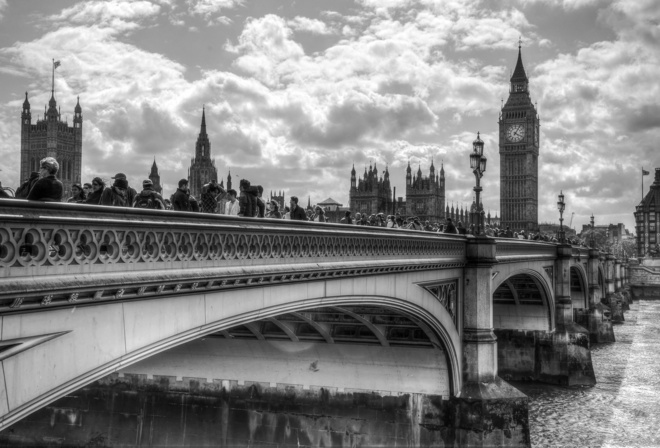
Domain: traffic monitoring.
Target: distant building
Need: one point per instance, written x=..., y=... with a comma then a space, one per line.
x=370, y=194
x=552, y=228
x=519, y=153
x=52, y=137
x=279, y=198
x=425, y=195
x=330, y=205
x=647, y=216
x=614, y=233
x=155, y=177
x=202, y=168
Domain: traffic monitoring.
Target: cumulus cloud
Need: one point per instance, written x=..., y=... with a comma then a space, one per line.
x=305, y=24
x=210, y=9
x=120, y=15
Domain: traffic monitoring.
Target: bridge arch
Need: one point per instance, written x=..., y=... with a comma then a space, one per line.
x=131, y=331
x=523, y=300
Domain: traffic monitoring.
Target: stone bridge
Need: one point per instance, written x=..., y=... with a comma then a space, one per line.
x=86, y=292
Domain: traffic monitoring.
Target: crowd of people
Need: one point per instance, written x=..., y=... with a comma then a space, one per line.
x=247, y=202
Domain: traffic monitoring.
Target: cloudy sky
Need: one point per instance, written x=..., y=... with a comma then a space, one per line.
x=296, y=91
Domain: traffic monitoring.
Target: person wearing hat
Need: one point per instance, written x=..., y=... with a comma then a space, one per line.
x=181, y=198
x=148, y=197
x=47, y=188
x=77, y=194
x=119, y=194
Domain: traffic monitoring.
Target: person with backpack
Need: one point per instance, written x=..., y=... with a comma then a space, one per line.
x=119, y=194
x=148, y=197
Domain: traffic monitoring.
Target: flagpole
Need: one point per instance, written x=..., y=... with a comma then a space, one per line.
x=52, y=90
x=642, y=184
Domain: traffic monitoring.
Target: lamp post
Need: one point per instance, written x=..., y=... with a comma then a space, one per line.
x=478, y=165
x=561, y=206
x=593, y=229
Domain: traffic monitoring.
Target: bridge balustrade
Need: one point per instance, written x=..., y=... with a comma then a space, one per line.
x=510, y=250
x=57, y=253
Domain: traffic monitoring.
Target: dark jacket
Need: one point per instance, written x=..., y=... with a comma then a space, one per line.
x=115, y=197
x=24, y=190
x=450, y=228
x=247, y=201
x=47, y=189
x=148, y=198
x=94, y=197
x=461, y=230
x=261, y=207
x=119, y=195
x=298, y=214
x=181, y=200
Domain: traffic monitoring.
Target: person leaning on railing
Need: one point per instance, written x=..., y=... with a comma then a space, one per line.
x=47, y=188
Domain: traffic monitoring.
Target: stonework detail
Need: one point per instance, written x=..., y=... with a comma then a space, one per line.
x=446, y=293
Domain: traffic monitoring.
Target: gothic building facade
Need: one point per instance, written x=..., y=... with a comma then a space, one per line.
x=425, y=195
x=519, y=153
x=52, y=137
x=202, y=168
x=371, y=194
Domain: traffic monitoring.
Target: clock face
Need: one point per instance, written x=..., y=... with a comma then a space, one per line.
x=515, y=132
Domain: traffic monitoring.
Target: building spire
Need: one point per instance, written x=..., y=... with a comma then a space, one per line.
x=203, y=127
x=519, y=72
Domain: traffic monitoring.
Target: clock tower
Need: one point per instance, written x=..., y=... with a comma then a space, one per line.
x=519, y=154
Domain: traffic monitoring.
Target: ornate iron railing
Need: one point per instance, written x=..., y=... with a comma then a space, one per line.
x=54, y=242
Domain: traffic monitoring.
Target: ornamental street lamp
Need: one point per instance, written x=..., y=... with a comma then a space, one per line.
x=561, y=206
x=593, y=246
x=478, y=165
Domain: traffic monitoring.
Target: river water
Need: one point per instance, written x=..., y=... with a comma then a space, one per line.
x=623, y=409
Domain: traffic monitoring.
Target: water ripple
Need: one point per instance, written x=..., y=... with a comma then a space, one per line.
x=623, y=409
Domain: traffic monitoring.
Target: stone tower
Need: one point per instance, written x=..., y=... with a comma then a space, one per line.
x=155, y=177
x=202, y=168
x=52, y=137
x=519, y=153
x=425, y=195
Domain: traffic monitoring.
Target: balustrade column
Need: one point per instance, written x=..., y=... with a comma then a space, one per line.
x=563, y=302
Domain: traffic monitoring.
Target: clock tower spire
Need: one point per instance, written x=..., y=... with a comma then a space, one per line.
x=519, y=152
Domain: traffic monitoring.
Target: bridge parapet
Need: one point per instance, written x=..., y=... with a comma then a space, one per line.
x=59, y=254
x=512, y=250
